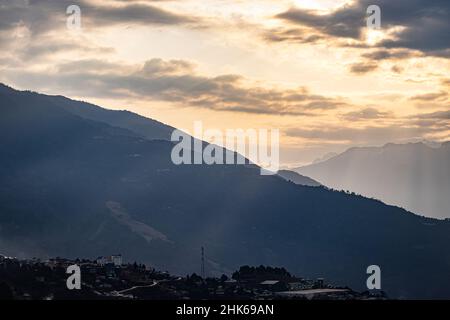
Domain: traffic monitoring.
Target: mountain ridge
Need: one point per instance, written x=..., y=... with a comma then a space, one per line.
x=144, y=126
x=298, y=178
x=414, y=176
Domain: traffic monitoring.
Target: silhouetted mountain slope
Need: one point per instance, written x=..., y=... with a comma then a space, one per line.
x=414, y=176
x=298, y=178
x=74, y=187
x=145, y=127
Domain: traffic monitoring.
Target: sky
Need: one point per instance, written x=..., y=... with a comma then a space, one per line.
x=311, y=69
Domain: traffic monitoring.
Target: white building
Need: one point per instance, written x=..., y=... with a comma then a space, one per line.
x=116, y=260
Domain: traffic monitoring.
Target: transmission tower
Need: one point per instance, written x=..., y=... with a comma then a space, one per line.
x=203, y=263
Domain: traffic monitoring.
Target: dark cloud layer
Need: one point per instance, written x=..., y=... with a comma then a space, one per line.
x=426, y=23
x=133, y=14
x=41, y=16
x=175, y=81
x=389, y=54
x=342, y=23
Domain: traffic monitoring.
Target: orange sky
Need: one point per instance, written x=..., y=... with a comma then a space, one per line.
x=239, y=64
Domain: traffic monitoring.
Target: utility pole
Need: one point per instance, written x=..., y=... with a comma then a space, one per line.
x=203, y=264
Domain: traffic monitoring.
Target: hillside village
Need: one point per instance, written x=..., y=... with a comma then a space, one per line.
x=110, y=278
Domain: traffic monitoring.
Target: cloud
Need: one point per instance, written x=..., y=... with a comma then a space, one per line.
x=389, y=54
x=438, y=119
x=366, y=135
x=438, y=115
x=375, y=57
x=366, y=114
x=47, y=46
x=42, y=16
x=295, y=35
x=342, y=23
x=36, y=29
x=397, y=69
x=433, y=96
x=391, y=128
x=133, y=14
x=363, y=67
x=174, y=81
x=422, y=25
x=160, y=66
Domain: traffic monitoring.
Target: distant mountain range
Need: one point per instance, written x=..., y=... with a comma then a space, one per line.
x=74, y=182
x=325, y=157
x=415, y=176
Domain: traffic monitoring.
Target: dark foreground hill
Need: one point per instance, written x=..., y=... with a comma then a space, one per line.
x=72, y=187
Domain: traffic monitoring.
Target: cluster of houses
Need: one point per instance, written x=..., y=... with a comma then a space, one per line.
x=109, y=278
x=116, y=260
